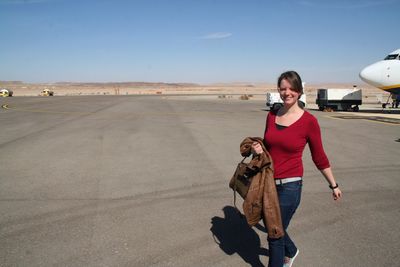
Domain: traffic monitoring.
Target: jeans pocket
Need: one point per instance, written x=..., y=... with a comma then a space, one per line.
x=293, y=186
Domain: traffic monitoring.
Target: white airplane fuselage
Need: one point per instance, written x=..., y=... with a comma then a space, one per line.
x=384, y=74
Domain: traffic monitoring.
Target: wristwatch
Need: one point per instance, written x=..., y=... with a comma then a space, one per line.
x=334, y=187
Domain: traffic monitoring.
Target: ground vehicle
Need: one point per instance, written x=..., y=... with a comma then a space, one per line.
x=5, y=92
x=339, y=99
x=46, y=92
x=274, y=100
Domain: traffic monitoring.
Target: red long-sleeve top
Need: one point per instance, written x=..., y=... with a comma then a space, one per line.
x=286, y=145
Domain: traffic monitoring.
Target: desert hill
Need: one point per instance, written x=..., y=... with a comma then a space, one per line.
x=255, y=90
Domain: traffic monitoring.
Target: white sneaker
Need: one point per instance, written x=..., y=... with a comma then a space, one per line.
x=291, y=260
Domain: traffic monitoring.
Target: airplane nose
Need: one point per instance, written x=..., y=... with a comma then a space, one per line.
x=371, y=74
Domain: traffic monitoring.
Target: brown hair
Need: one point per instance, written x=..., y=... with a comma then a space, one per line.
x=294, y=79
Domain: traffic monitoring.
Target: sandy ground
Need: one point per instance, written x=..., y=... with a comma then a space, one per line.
x=232, y=90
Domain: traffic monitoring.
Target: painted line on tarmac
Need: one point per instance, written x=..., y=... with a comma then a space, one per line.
x=387, y=121
x=5, y=106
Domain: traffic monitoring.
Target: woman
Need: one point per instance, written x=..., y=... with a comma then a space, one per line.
x=287, y=131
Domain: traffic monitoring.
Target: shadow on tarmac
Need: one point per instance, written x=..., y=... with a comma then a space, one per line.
x=234, y=235
x=384, y=111
x=375, y=111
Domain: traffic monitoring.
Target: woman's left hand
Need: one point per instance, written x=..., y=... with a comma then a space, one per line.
x=256, y=148
x=337, y=194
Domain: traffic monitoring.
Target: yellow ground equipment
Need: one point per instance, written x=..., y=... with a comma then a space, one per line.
x=5, y=92
x=46, y=92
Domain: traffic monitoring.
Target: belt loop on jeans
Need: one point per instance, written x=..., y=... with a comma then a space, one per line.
x=287, y=180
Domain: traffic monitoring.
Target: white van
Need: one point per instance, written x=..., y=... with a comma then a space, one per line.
x=274, y=100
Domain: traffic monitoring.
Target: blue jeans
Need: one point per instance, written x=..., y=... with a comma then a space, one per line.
x=289, y=195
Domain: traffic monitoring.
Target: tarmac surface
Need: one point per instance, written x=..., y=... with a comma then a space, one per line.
x=143, y=181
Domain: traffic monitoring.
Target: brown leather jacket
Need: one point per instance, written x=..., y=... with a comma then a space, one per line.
x=262, y=198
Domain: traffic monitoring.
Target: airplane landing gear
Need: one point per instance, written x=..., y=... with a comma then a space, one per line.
x=387, y=101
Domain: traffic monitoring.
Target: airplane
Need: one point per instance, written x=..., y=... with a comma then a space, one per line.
x=384, y=74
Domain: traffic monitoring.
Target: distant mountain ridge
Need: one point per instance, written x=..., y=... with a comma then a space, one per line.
x=134, y=84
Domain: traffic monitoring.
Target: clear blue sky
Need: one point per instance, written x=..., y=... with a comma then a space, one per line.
x=201, y=41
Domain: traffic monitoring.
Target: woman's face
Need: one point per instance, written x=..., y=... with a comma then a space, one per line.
x=288, y=95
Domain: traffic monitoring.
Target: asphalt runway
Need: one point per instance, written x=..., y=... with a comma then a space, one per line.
x=143, y=181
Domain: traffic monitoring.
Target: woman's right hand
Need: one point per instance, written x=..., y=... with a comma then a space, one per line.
x=336, y=194
x=256, y=148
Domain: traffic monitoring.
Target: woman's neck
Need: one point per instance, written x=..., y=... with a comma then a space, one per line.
x=290, y=109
